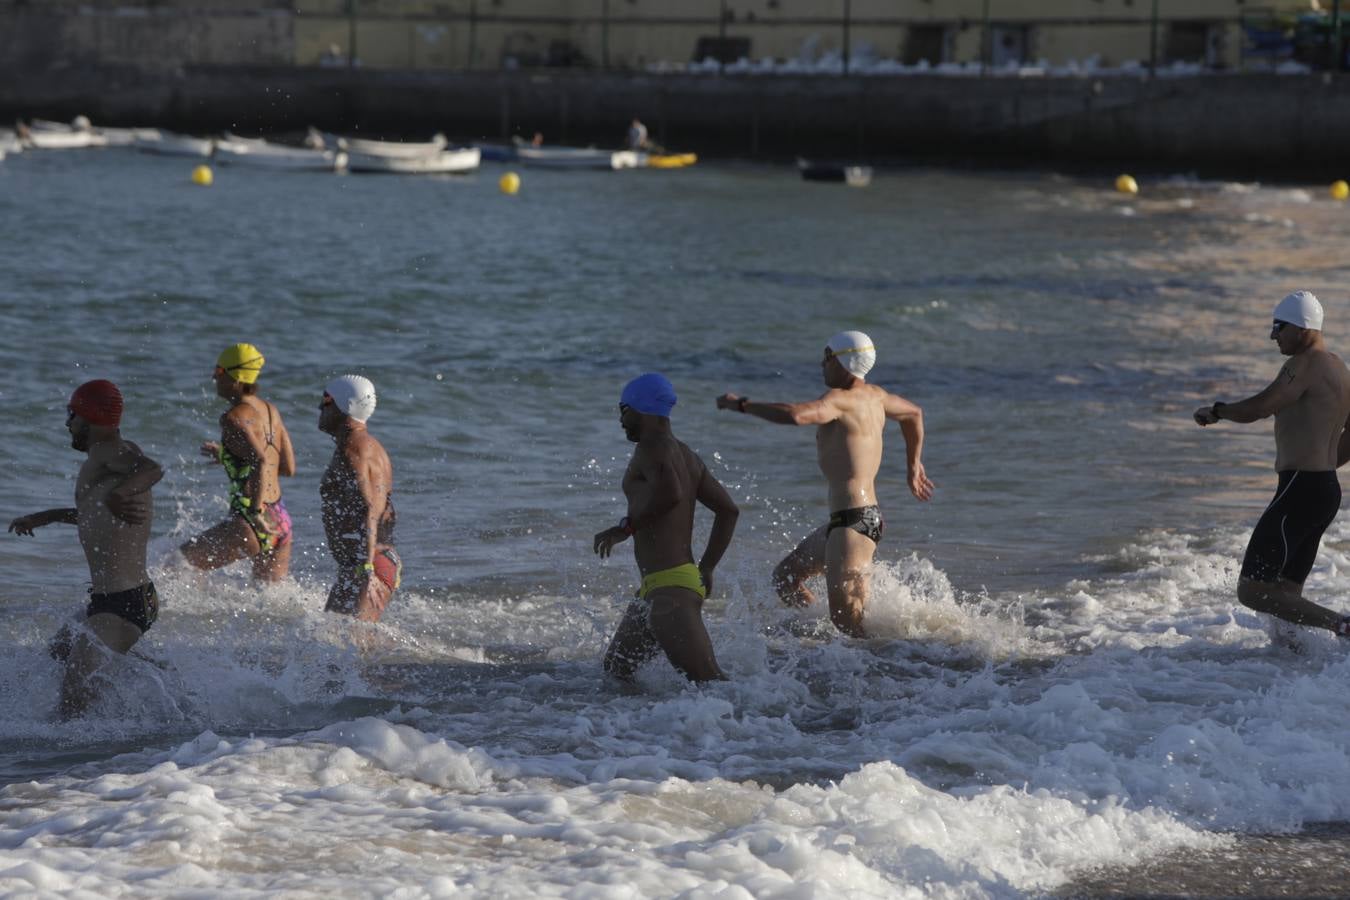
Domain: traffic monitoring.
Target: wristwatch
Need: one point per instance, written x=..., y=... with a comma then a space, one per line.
x=741, y=403
x=627, y=525
x=1214, y=410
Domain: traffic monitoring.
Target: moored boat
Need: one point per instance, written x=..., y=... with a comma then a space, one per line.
x=46, y=139
x=259, y=153
x=393, y=149
x=166, y=143
x=820, y=170
x=437, y=162
x=671, y=160
x=127, y=137
x=498, y=152
x=579, y=158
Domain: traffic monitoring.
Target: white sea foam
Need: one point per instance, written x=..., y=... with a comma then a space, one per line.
x=975, y=746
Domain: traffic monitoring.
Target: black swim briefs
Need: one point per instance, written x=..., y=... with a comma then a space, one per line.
x=139, y=606
x=1285, y=541
x=866, y=520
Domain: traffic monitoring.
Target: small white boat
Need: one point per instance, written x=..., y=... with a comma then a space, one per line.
x=231, y=141
x=44, y=139
x=393, y=149
x=166, y=143
x=127, y=137
x=260, y=153
x=437, y=162
x=79, y=123
x=44, y=129
x=580, y=158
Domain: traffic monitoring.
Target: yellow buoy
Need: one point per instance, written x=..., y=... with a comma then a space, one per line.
x=202, y=175
x=509, y=183
x=1126, y=184
x=1339, y=190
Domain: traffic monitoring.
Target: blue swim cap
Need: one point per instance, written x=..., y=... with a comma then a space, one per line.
x=651, y=393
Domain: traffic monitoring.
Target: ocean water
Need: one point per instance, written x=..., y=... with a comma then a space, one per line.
x=1059, y=680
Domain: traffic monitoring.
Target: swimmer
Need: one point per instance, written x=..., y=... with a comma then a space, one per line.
x=358, y=504
x=1310, y=400
x=112, y=513
x=254, y=449
x=662, y=483
x=849, y=420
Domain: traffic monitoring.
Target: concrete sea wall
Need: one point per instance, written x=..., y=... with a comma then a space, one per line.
x=1262, y=122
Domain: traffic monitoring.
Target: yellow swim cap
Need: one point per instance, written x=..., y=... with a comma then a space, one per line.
x=242, y=362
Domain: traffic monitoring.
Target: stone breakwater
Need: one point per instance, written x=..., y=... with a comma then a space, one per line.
x=1260, y=124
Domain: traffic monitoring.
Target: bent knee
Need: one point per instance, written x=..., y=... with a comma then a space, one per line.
x=1263, y=596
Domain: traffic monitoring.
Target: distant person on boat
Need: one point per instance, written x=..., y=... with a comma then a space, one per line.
x=849, y=418
x=637, y=136
x=663, y=482
x=358, y=504
x=255, y=451
x=112, y=512
x=1310, y=400
x=537, y=140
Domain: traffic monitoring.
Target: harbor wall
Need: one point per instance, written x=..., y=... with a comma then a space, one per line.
x=1266, y=122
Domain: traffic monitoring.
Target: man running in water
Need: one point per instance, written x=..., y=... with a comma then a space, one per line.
x=663, y=481
x=358, y=504
x=1310, y=400
x=849, y=419
x=112, y=513
x=254, y=450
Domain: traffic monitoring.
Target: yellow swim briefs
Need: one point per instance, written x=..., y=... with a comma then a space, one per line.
x=685, y=576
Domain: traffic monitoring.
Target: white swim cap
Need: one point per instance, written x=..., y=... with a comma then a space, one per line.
x=353, y=395
x=854, y=351
x=1302, y=309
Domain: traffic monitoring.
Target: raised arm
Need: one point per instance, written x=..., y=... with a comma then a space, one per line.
x=725, y=513
x=910, y=417
x=1286, y=389
x=813, y=412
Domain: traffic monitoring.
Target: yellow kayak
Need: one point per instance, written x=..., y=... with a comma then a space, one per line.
x=671, y=160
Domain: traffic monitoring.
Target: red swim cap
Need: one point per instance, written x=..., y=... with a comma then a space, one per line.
x=98, y=403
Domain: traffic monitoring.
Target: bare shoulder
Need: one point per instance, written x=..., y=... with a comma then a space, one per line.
x=116, y=456
x=692, y=460
x=362, y=446
x=1333, y=364
x=241, y=415
x=276, y=414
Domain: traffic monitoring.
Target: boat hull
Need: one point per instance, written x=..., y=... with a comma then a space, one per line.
x=580, y=158
x=444, y=162
x=274, y=156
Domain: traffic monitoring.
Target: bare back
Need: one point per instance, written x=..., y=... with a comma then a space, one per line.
x=667, y=542
x=252, y=430
x=358, y=482
x=1307, y=431
x=114, y=548
x=848, y=449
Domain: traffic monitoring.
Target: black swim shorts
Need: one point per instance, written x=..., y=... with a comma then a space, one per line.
x=866, y=520
x=1285, y=541
x=139, y=606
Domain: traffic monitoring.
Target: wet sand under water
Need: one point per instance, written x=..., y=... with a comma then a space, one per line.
x=1314, y=862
